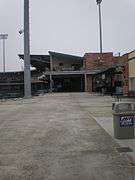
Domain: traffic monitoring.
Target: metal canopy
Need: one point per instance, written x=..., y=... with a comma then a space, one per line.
x=43, y=58
x=65, y=56
x=40, y=62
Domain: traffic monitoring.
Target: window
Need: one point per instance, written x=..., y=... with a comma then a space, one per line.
x=133, y=84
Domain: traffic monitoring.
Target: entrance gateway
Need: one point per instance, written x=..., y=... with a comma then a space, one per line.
x=62, y=72
x=67, y=73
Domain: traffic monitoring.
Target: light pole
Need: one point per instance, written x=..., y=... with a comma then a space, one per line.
x=27, y=73
x=4, y=37
x=100, y=24
x=51, y=69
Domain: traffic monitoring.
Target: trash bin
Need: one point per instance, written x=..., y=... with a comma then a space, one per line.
x=123, y=120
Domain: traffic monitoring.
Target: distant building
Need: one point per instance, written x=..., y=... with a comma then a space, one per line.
x=58, y=72
x=63, y=72
x=131, y=64
x=112, y=72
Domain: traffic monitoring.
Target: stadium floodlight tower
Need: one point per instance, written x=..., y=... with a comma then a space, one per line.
x=4, y=37
x=27, y=73
x=100, y=24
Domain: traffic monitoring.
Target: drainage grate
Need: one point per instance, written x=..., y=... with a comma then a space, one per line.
x=124, y=149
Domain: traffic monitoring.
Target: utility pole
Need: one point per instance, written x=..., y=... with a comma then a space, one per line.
x=100, y=24
x=51, y=70
x=4, y=37
x=27, y=73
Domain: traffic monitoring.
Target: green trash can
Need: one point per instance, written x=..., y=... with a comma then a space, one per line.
x=123, y=120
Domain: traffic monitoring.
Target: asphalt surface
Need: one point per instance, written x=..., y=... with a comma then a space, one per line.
x=54, y=137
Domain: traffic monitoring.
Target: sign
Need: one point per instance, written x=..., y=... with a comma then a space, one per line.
x=127, y=121
x=103, y=76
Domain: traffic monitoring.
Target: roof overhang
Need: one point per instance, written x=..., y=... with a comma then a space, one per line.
x=38, y=61
x=62, y=56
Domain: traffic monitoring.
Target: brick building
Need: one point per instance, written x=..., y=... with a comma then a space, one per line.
x=131, y=68
x=60, y=72
x=112, y=75
x=89, y=73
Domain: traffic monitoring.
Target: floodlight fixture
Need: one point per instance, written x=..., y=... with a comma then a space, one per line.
x=98, y=1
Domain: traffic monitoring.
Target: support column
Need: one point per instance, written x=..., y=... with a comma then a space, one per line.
x=4, y=37
x=81, y=88
x=85, y=79
x=51, y=69
x=4, y=55
x=27, y=73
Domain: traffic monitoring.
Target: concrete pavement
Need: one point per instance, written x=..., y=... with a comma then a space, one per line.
x=55, y=137
x=100, y=108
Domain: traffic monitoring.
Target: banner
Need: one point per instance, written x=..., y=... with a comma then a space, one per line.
x=127, y=121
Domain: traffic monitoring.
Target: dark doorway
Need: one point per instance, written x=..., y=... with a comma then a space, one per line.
x=68, y=83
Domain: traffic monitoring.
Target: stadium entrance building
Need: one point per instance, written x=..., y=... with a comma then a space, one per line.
x=58, y=72
x=63, y=72
x=94, y=72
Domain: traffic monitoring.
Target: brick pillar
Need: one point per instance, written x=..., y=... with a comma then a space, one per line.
x=126, y=80
x=89, y=83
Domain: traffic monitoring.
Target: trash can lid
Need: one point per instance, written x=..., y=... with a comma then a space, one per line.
x=121, y=107
x=126, y=113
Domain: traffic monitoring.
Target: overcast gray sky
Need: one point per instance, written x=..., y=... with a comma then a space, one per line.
x=68, y=26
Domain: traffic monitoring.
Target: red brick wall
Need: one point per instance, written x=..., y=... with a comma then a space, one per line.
x=92, y=60
x=89, y=83
x=103, y=61
x=126, y=79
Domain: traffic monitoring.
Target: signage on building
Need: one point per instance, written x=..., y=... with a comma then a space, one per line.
x=127, y=121
x=119, y=69
x=103, y=76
